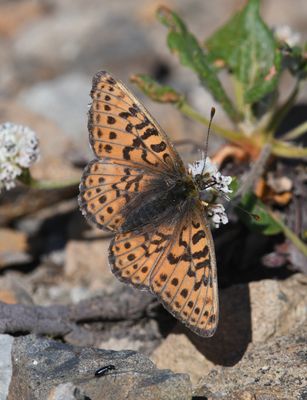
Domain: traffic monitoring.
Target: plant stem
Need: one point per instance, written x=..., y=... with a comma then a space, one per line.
x=256, y=170
x=284, y=149
x=290, y=234
x=239, y=94
x=190, y=112
x=296, y=132
x=48, y=185
x=27, y=179
x=282, y=111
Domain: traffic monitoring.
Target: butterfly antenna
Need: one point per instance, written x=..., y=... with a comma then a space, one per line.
x=207, y=138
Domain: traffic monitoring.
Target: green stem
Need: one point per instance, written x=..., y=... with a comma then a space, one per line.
x=190, y=112
x=290, y=234
x=47, y=185
x=27, y=179
x=287, y=150
x=282, y=111
x=296, y=132
x=239, y=94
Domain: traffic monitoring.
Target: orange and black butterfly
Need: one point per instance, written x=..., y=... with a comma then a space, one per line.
x=138, y=187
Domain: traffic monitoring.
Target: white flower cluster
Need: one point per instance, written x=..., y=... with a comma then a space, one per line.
x=18, y=150
x=216, y=182
x=205, y=165
x=208, y=168
x=284, y=33
x=222, y=182
x=217, y=214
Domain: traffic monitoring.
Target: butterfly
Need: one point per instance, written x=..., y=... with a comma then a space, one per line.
x=138, y=188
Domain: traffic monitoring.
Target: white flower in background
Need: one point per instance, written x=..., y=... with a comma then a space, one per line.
x=284, y=33
x=216, y=182
x=18, y=150
x=217, y=214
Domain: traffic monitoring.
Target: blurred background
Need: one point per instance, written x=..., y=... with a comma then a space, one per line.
x=49, y=51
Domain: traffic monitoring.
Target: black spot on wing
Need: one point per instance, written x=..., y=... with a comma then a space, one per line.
x=198, y=236
x=158, y=148
x=202, y=253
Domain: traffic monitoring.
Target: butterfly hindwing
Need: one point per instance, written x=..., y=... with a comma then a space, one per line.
x=133, y=255
x=176, y=262
x=189, y=286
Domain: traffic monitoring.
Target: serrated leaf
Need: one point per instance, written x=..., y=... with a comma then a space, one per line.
x=190, y=53
x=249, y=50
x=259, y=219
x=156, y=91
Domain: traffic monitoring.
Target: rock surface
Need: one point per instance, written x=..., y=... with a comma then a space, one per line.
x=86, y=263
x=253, y=313
x=13, y=248
x=276, y=370
x=6, y=343
x=63, y=100
x=46, y=369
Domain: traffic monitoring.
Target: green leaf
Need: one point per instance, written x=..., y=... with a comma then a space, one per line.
x=234, y=186
x=259, y=219
x=155, y=91
x=249, y=50
x=190, y=53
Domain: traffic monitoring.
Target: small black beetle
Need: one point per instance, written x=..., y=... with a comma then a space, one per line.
x=102, y=371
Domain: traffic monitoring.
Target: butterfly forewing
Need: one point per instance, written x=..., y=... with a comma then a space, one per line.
x=138, y=187
x=132, y=151
x=124, y=131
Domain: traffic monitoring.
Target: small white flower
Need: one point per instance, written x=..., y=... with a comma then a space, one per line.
x=222, y=182
x=213, y=182
x=208, y=169
x=203, y=166
x=284, y=33
x=18, y=150
x=217, y=214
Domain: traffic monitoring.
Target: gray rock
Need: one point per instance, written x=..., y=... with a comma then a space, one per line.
x=250, y=313
x=6, y=343
x=63, y=100
x=46, y=369
x=276, y=370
